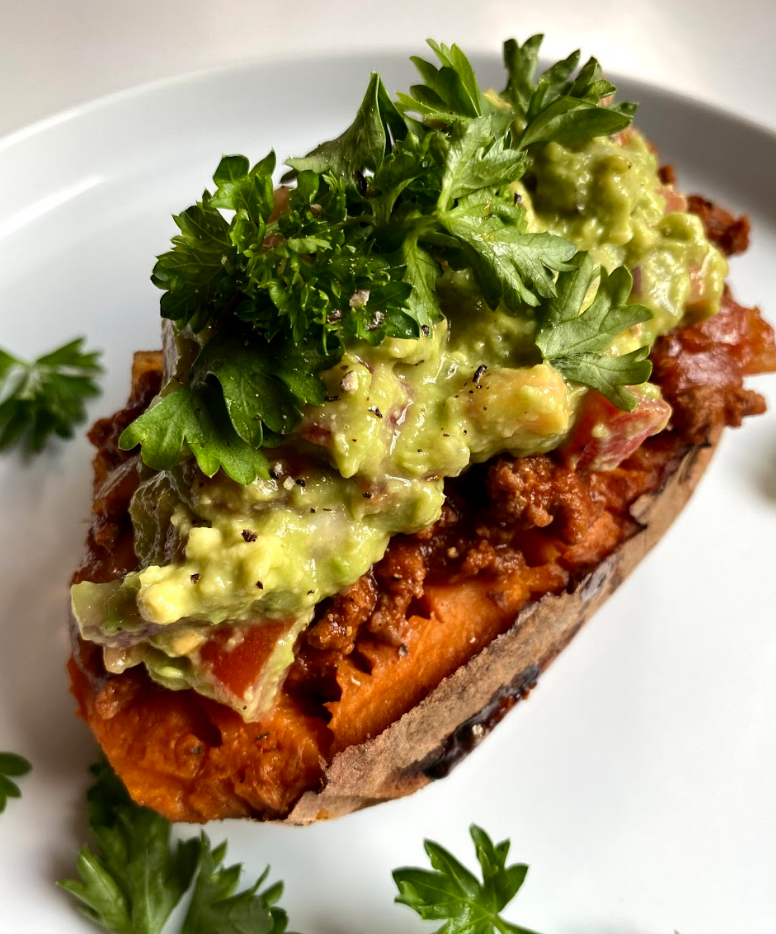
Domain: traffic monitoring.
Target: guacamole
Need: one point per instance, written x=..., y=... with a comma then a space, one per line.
x=399, y=417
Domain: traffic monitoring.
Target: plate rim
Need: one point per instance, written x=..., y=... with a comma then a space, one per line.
x=93, y=105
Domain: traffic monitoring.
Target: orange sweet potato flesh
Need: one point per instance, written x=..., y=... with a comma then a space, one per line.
x=404, y=672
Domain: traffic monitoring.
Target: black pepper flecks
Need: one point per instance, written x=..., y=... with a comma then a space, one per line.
x=260, y=585
x=249, y=536
x=478, y=373
x=375, y=411
x=195, y=578
x=300, y=481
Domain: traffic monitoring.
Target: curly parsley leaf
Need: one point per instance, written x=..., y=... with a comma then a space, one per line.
x=135, y=879
x=47, y=397
x=217, y=906
x=559, y=107
x=451, y=893
x=198, y=274
x=11, y=766
x=576, y=342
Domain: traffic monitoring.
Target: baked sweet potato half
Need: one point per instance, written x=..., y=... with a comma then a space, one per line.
x=304, y=673
x=478, y=607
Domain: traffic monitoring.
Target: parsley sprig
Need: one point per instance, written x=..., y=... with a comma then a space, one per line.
x=575, y=341
x=451, y=893
x=11, y=766
x=558, y=106
x=46, y=397
x=136, y=878
x=410, y=188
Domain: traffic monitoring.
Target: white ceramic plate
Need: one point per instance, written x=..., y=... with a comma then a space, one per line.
x=638, y=780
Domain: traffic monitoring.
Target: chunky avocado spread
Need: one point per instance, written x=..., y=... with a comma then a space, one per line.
x=398, y=415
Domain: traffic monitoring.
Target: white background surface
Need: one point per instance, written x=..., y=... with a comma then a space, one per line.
x=58, y=54
x=638, y=781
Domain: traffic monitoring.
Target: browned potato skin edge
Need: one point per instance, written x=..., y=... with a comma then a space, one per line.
x=429, y=739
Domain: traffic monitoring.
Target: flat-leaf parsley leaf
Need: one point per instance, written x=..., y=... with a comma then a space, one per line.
x=46, y=397
x=217, y=906
x=575, y=341
x=136, y=877
x=11, y=766
x=451, y=893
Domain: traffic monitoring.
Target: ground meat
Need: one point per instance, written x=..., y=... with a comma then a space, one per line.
x=667, y=174
x=341, y=616
x=400, y=577
x=537, y=491
x=105, y=433
x=701, y=369
x=730, y=234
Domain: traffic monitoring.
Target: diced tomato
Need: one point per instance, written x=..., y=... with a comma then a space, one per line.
x=235, y=656
x=604, y=435
x=675, y=200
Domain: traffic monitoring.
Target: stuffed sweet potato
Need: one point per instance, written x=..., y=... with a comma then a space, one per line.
x=402, y=442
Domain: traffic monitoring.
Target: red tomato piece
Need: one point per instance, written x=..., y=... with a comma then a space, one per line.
x=235, y=656
x=604, y=435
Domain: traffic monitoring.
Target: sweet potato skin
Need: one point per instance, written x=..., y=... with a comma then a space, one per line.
x=432, y=737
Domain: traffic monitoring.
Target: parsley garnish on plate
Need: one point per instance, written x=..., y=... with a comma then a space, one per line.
x=47, y=397
x=132, y=882
x=449, y=892
x=11, y=766
x=136, y=877
x=413, y=187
